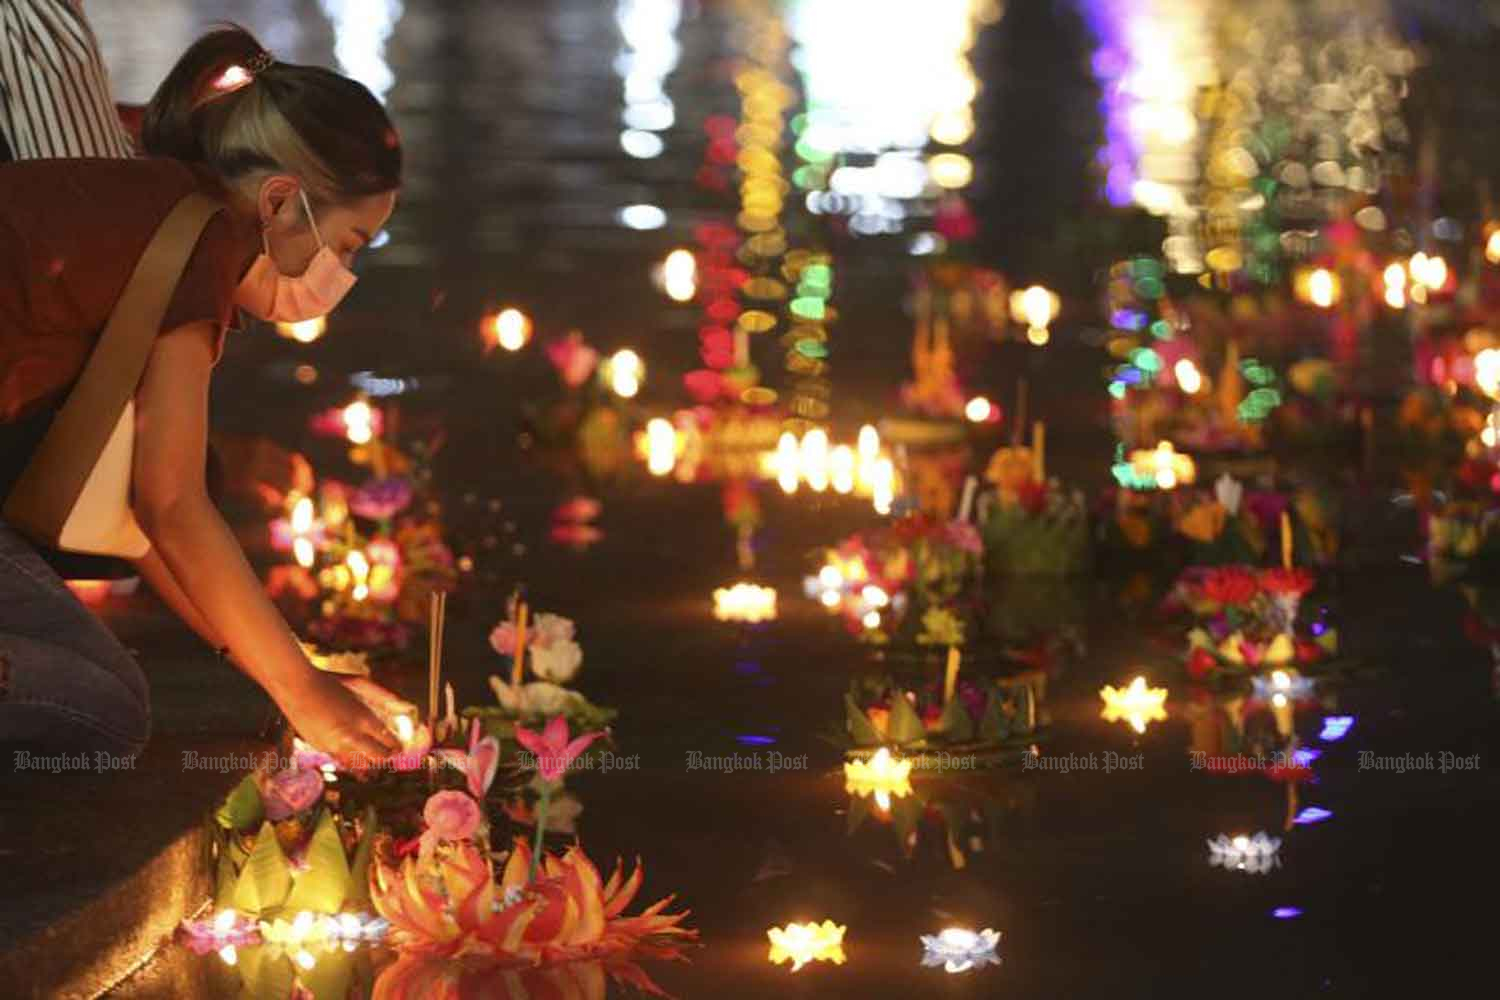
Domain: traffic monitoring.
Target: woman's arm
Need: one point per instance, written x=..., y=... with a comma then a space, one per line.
x=200, y=552
x=172, y=595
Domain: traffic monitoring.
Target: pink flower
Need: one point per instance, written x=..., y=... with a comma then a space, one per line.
x=503, y=638
x=574, y=360
x=551, y=748
x=479, y=764
x=451, y=815
x=289, y=792
x=380, y=499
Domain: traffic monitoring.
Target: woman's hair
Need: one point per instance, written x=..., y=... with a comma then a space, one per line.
x=227, y=105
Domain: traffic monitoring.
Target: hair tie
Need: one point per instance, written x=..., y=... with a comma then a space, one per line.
x=260, y=63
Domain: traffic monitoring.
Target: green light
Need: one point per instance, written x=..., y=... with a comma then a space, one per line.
x=1149, y=288
x=1146, y=360
x=816, y=276
x=1161, y=330
x=1147, y=267
x=811, y=349
x=808, y=307
x=813, y=154
x=1117, y=389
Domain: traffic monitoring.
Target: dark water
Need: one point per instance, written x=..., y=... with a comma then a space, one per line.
x=1099, y=882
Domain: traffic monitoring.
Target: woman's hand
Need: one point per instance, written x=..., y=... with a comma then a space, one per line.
x=325, y=713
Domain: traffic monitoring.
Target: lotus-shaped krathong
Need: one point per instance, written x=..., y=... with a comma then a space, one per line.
x=452, y=904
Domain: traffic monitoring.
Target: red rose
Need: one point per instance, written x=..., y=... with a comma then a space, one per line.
x=1293, y=582
x=1231, y=585
x=1201, y=663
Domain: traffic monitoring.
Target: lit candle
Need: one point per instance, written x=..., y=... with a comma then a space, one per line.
x=1286, y=540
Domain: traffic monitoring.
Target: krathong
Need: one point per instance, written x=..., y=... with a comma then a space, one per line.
x=985, y=716
x=1250, y=620
x=958, y=949
x=452, y=903
x=1254, y=855
x=809, y=942
x=1136, y=705
x=745, y=602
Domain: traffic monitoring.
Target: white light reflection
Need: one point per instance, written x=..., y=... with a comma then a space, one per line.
x=650, y=53
x=361, y=28
x=641, y=217
x=884, y=81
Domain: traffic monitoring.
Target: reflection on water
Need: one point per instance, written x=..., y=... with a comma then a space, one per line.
x=360, y=29
x=558, y=156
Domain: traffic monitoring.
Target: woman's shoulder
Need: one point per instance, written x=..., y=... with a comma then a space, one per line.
x=104, y=186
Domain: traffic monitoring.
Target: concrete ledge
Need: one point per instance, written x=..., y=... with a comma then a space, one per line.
x=101, y=943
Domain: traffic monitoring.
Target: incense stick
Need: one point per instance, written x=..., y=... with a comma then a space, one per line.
x=435, y=653
x=518, y=662
x=950, y=678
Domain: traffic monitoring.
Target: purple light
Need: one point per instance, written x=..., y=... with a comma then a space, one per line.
x=755, y=741
x=1318, y=628
x=1312, y=814
x=1304, y=756
x=747, y=667
x=1286, y=912
x=1335, y=727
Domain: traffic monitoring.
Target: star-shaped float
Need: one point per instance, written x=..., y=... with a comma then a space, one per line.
x=1137, y=704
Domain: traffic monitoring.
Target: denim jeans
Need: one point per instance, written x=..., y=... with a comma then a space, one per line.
x=66, y=683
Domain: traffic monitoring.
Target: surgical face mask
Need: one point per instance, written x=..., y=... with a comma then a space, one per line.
x=267, y=293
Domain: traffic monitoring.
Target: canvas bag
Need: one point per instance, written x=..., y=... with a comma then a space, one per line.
x=74, y=493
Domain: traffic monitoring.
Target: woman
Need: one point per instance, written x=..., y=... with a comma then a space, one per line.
x=307, y=166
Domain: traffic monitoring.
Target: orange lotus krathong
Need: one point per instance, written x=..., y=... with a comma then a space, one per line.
x=451, y=904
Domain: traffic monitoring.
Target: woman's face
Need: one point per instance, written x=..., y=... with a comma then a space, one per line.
x=345, y=227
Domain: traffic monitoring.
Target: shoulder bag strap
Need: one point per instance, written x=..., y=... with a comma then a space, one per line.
x=56, y=474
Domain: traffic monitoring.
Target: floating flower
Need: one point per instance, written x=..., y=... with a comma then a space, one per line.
x=803, y=943
x=1136, y=705
x=380, y=499
x=1254, y=855
x=552, y=749
x=958, y=949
